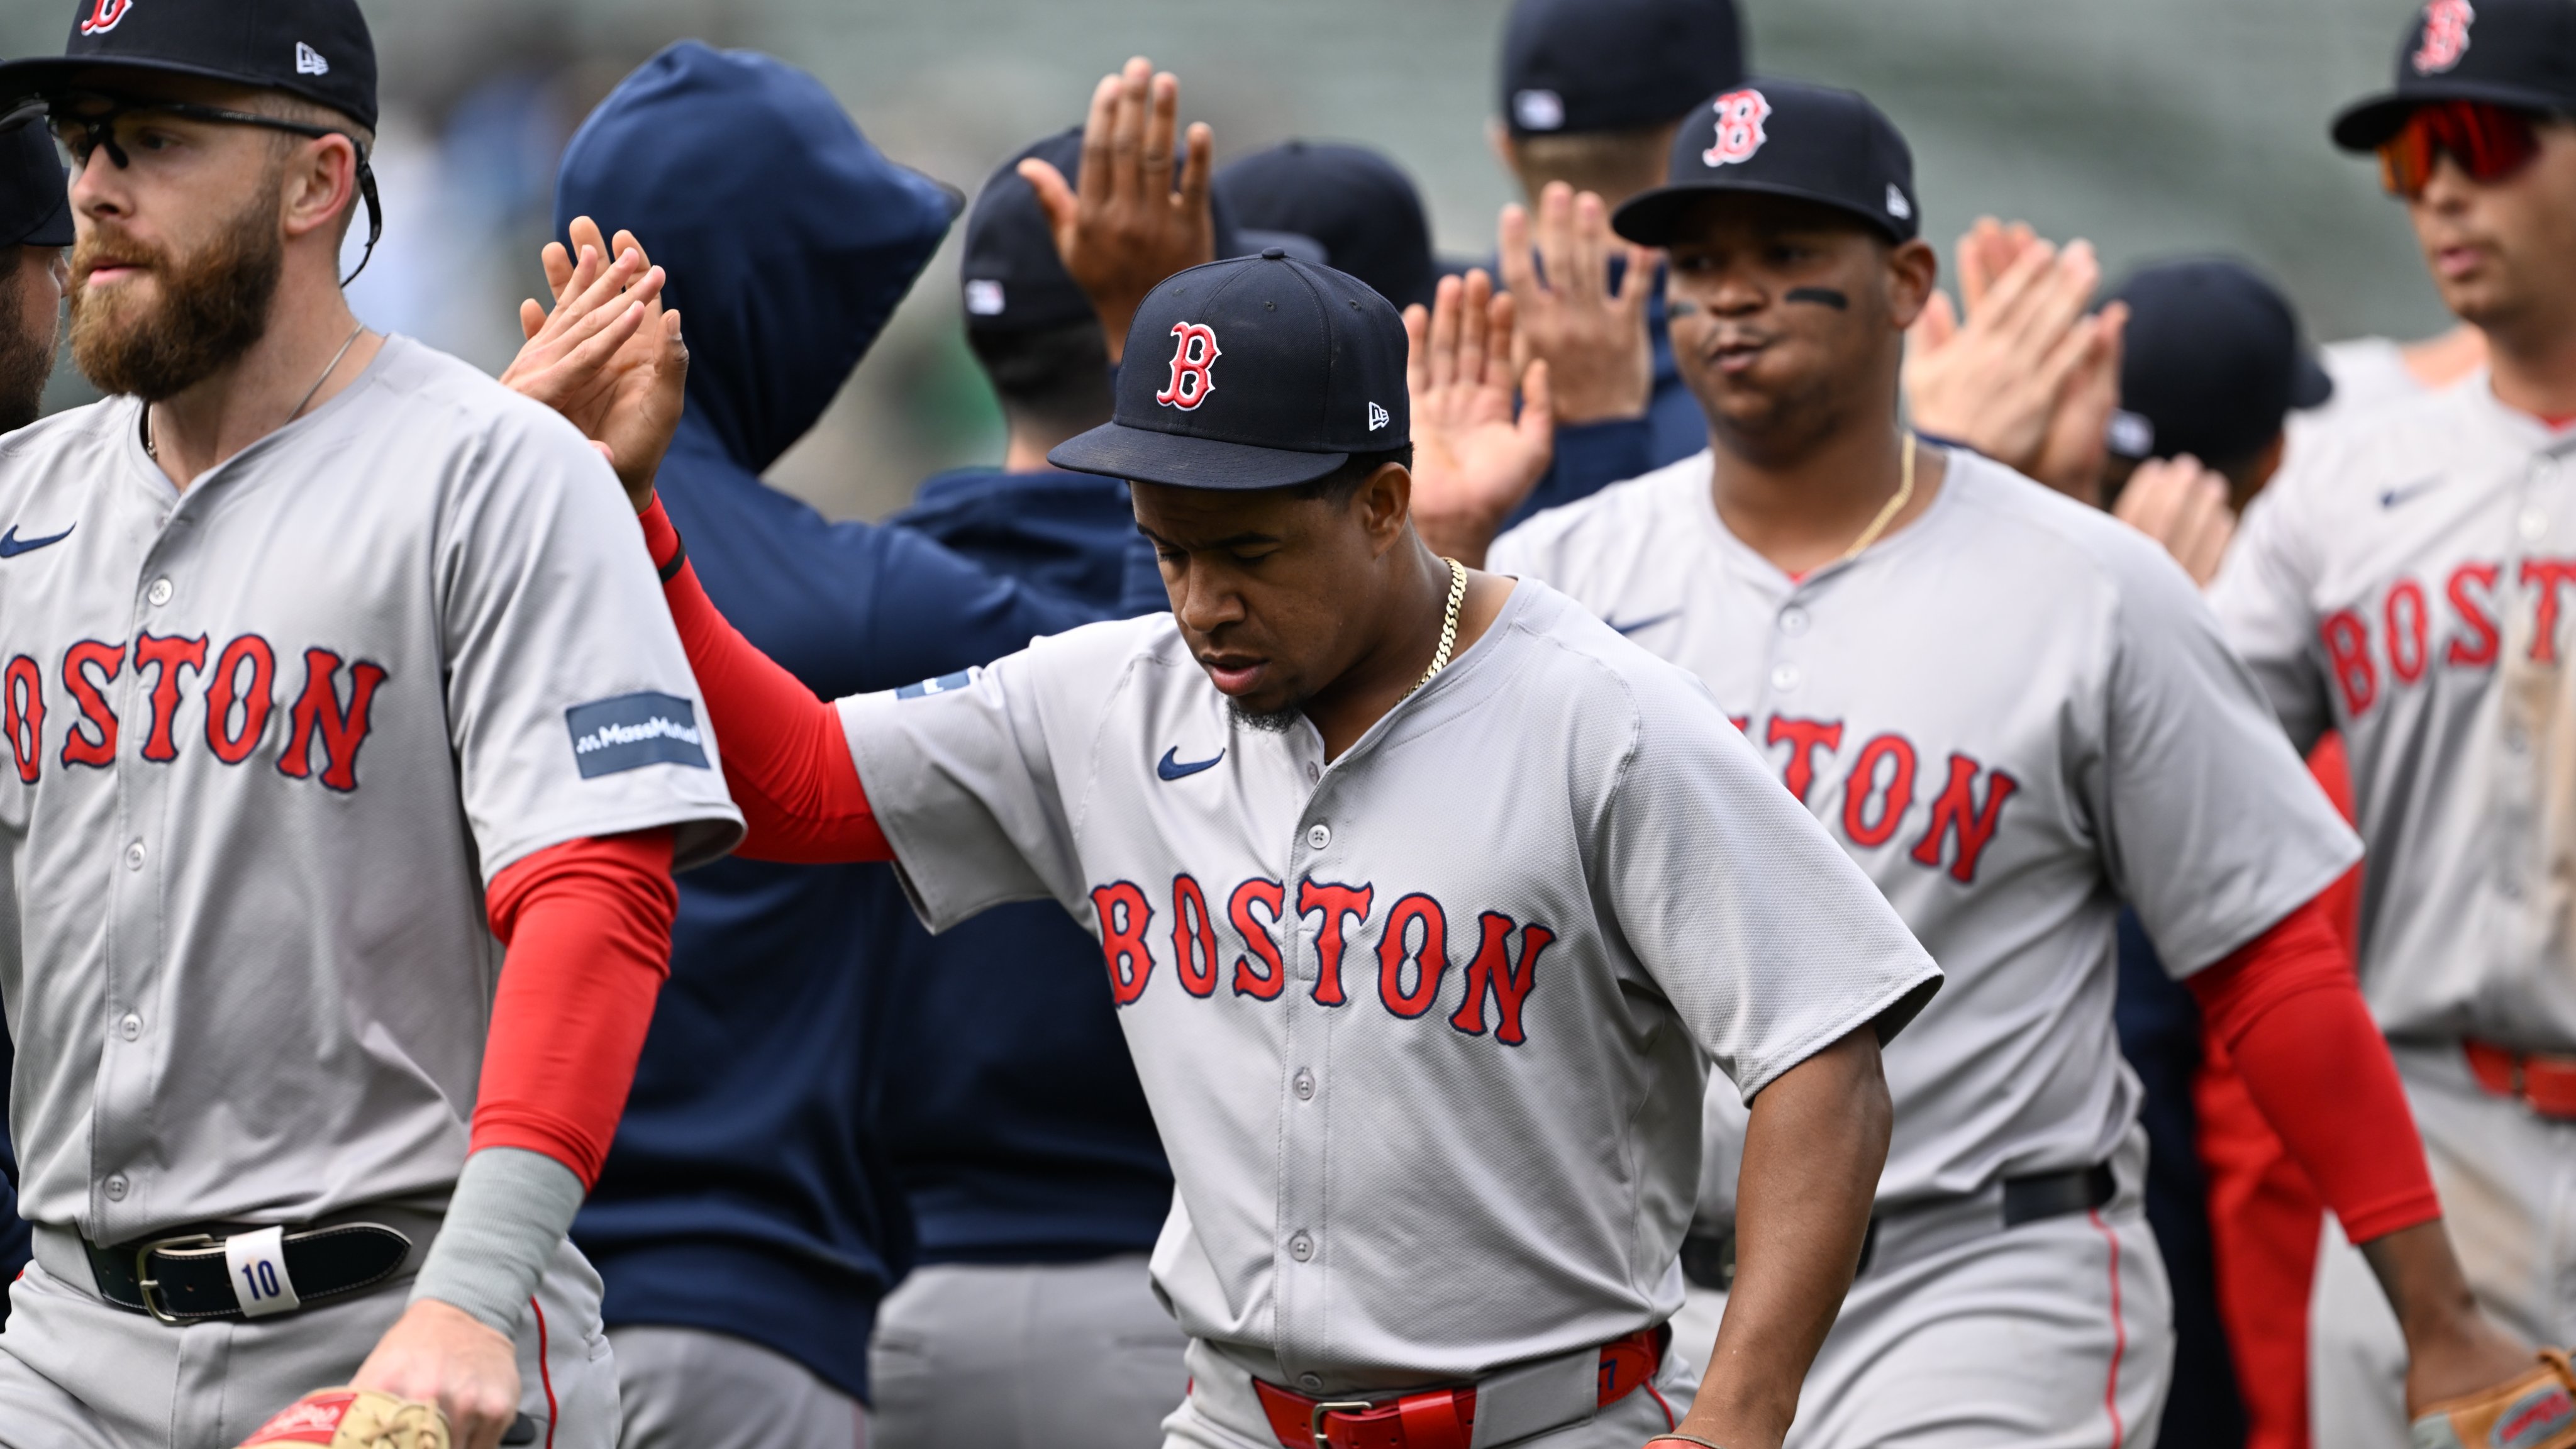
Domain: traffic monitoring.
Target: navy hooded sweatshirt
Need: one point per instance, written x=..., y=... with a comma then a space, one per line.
x=747, y=1191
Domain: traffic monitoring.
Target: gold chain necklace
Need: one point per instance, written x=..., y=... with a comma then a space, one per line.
x=1448, y=624
x=1895, y=506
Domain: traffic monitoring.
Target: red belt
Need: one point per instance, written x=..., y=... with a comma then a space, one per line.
x=2546, y=1084
x=1433, y=1418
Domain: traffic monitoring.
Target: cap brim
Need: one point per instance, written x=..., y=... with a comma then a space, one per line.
x=1141, y=455
x=55, y=74
x=2311, y=386
x=2366, y=123
x=1651, y=218
x=52, y=231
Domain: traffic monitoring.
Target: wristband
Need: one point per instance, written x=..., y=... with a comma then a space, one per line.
x=678, y=560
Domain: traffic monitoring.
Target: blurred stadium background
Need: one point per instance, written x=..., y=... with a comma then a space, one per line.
x=2154, y=127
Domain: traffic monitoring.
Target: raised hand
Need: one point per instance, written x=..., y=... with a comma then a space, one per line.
x=608, y=356
x=1123, y=226
x=2072, y=455
x=1995, y=381
x=1592, y=335
x=2183, y=505
x=1473, y=461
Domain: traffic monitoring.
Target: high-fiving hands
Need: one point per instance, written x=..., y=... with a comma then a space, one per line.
x=1591, y=333
x=608, y=356
x=1473, y=460
x=1122, y=226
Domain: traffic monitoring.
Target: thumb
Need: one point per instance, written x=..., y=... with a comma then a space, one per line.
x=1055, y=197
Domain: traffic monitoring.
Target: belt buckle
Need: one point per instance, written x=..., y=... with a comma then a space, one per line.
x=144, y=1282
x=1315, y=1417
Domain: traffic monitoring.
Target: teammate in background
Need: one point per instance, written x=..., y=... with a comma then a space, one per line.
x=1358, y=204
x=2005, y=775
x=322, y=657
x=2371, y=371
x=2212, y=367
x=1592, y=91
x=2023, y=369
x=35, y=226
x=2401, y=583
x=1011, y=1111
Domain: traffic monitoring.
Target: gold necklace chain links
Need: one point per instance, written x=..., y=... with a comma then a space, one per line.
x=1448, y=624
x=1895, y=505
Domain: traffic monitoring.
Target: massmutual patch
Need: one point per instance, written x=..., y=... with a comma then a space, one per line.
x=634, y=730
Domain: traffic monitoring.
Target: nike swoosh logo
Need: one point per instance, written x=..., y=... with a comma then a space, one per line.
x=2395, y=496
x=11, y=546
x=1170, y=767
x=1633, y=625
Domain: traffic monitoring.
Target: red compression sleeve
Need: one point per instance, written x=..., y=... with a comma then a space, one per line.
x=588, y=926
x=786, y=762
x=2289, y=1012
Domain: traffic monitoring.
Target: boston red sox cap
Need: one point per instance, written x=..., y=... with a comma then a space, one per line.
x=2211, y=362
x=1357, y=204
x=1011, y=276
x=1258, y=372
x=1608, y=65
x=1782, y=138
x=35, y=201
x=2518, y=53
x=317, y=49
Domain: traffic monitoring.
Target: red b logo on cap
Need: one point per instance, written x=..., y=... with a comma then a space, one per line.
x=2446, y=35
x=1740, y=115
x=1190, y=382
x=104, y=16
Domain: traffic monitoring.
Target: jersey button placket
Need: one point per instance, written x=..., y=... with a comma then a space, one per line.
x=1305, y=1125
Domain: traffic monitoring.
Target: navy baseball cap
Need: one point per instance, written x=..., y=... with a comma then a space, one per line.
x=1783, y=138
x=2519, y=53
x=2211, y=362
x=318, y=49
x=1357, y=204
x=35, y=199
x=1610, y=65
x=1011, y=276
x=1258, y=372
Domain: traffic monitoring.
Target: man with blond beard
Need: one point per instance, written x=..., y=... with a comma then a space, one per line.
x=300, y=688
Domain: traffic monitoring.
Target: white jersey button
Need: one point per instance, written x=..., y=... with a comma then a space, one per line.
x=1793, y=621
x=1305, y=1085
x=116, y=1189
x=1786, y=677
x=129, y=1026
x=1310, y=1382
x=1301, y=1247
x=2533, y=524
x=159, y=593
x=1314, y=772
x=1319, y=837
x=134, y=856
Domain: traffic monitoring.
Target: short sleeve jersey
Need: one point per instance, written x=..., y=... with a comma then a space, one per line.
x=1424, y=1026
x=2014, y=714
x=2407, y=582
x=266, y=742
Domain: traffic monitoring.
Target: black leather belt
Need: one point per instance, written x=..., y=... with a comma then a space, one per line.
x=2035, y=1198
x=183, y=1277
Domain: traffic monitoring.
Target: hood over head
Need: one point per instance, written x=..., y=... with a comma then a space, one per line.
x=788, y=238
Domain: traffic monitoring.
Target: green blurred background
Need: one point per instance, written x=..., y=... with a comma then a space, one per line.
x=2154, y=127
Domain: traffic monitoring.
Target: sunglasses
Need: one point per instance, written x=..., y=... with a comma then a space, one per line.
x=2489, y=142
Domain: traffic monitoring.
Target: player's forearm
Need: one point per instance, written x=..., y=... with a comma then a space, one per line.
x=510, y=1209
x=786, y=762
x=1812, y=1154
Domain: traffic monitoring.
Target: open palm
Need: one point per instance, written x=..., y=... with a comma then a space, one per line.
x=1474, y=457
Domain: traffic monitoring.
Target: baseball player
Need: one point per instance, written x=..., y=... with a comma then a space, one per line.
x=2401, y=584
x=1858, y=603
x=321, y=678
x=1424, y=898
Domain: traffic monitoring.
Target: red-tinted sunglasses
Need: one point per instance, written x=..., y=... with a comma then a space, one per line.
x=2490, y=142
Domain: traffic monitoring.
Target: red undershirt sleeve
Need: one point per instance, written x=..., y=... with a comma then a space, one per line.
x=2287, y=1009
x=786, y=761
x=588, y=928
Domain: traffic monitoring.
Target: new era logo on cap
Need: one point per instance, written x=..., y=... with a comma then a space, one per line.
x=2446, y=36
x=309, y=61
x=1193, y=354
x=1377, y=417
x=1897, y=205
x=1740, y=115
x=983, y=297
x=1539, y=110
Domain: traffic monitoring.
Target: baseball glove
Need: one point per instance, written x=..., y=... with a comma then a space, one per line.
x=354, y=1419
x=2535, y=1411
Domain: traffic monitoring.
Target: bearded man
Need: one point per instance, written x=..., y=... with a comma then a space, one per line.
x=302, y=687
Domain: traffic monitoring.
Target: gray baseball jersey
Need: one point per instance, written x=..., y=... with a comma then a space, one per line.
x=2405, y=581
x=2015, y=714
x=266, y=742
x=1424, y=1027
